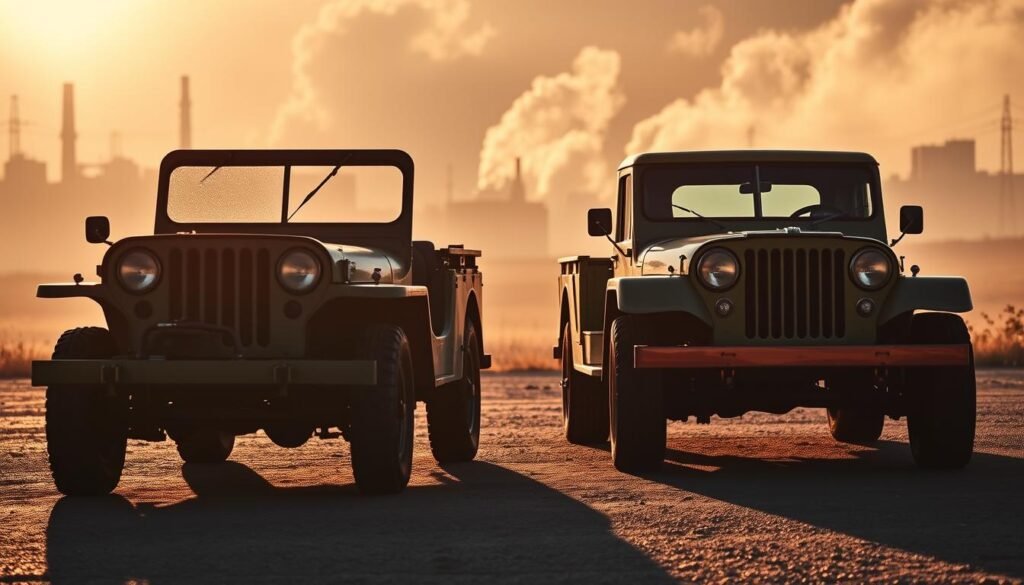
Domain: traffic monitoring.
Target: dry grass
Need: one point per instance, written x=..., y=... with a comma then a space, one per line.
x=520, y=353
x=16, y=358
x=999, y=341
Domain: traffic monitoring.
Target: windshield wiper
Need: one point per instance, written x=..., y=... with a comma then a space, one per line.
x=830, y=217
x=209, y=174
x=309, y=196
x=708, y=219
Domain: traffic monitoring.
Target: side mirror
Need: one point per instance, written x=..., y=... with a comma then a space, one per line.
x=97, y=229
x=599, y=222
x=911, y=219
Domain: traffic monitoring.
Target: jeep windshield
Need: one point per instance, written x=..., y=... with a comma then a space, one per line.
x=284, y=194
x=812, y=193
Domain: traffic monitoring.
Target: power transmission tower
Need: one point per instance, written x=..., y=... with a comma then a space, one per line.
x=1007, y=209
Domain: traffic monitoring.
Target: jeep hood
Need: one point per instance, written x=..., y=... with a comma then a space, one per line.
x=677, y=253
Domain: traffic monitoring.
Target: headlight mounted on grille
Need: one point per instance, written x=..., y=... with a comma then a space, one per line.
x=718, y=269
x=870, y=269
x=138, y=270
x=298, y=271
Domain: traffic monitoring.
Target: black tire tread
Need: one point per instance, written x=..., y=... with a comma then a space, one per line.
x=450, y=439
x=75, y=416
x=639, y=440
x=205, y=445
x=855, y=425
x=375, y=462
x=943, y=402
x=584, y=402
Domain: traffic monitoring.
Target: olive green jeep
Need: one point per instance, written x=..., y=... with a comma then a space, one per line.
x=759, y=280
x=270, y=297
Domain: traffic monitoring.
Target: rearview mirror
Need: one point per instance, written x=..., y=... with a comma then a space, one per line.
x=599, y=222
x=911, y=219
x=97, y=229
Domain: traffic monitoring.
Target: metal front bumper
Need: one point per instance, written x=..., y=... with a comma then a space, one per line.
x=802, y=356
x=207, y=372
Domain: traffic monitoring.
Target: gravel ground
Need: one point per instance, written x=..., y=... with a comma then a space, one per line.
x=761, y=498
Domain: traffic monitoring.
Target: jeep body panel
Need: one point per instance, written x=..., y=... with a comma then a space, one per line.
x=927, y=293
x=794, y=290
x=223, y=277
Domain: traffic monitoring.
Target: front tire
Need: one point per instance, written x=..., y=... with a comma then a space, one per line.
x=382, y=415
x=584, y=401
x=857, y=426
x=86, y=427
x=205, y=445
x=942, y=400
x=453, y=413
x=635, y=399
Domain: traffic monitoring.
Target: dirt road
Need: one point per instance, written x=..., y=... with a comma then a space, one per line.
x=761, y=498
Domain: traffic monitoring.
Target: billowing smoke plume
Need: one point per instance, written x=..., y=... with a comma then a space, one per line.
x=882, y=75
x=702, y=40
x=557, y=127
x=446, y=34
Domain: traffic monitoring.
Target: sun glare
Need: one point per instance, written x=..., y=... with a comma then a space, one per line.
x=64, y=29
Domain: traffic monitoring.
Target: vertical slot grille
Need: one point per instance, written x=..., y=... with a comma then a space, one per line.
x=225, y=287
x=794, y=294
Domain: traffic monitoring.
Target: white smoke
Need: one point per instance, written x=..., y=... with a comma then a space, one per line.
x=880, y=76
x=557, y=127
x=447, y=35
x=702, y=40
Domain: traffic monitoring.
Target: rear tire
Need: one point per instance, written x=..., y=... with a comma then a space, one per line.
x=205, y=445
x=584, y=401
x=453, y=413
x=382, y=415
x=855, y=425
x=635, y=399
x=942, y=404
x=86, y=428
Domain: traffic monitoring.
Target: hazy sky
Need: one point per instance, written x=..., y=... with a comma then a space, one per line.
x=568, y=85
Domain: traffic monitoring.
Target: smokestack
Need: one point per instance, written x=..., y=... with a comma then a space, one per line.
x=185, y=129
x=518, y=190
x=14, y=128
x=68, y=162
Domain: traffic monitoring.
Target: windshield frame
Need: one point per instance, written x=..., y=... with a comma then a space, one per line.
x=400, y=228
x=648, y=231
x=755, y=167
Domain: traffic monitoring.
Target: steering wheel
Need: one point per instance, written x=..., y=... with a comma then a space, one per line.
x=811, y=209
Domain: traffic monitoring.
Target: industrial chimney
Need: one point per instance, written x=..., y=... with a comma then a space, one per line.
x=185, y=129
x=517, y=191
x=68, y=162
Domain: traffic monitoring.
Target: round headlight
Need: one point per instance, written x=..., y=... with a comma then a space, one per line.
x=870, y=269
x=138, y=271
x=298, y=271
x=719, y=269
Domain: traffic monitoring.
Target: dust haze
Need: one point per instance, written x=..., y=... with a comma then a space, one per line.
x=470, y=88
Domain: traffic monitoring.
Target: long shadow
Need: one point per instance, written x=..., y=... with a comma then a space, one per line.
x=969, y=516
x=484, y=523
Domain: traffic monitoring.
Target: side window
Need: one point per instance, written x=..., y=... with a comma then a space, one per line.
x=624, y=229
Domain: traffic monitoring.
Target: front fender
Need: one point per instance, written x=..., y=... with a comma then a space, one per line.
x=927, y=293
x=658, y=294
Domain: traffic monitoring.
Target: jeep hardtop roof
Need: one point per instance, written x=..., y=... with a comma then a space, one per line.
x=741, y=156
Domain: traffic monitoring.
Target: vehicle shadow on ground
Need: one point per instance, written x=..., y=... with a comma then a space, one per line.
x=482, y=523
x=962, y=516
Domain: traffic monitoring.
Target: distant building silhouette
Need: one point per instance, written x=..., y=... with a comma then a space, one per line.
x=45, y=218
x=960, y=200
x=502, y=223
x=68, y=136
